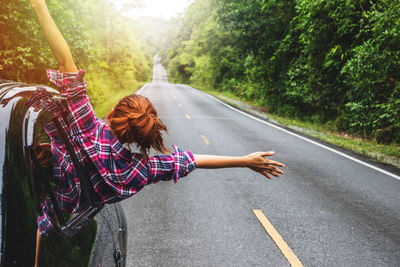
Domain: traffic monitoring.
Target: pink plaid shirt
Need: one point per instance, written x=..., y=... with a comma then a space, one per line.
x=115, y=172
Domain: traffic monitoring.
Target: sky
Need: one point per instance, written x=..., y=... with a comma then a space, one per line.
x=161, y=8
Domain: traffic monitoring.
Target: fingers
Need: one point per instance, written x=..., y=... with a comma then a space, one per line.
x=265, y=173
x=264, y=166
x=272, y=162
x=267, y=170
x=272, y=169
x=276, y=163
x=267, y=153
x=274, y=173
x=278, y=171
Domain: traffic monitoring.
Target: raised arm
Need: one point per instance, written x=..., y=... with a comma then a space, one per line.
x=56, y=41
x=255, y=161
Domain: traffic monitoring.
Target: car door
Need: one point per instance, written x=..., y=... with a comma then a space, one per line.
x=101, y=242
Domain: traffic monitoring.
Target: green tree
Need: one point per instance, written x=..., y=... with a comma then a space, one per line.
x=99, y=35
x=330, y=61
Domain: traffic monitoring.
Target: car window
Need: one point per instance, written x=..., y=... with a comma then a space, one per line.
x=22, y=192
x=57, y=249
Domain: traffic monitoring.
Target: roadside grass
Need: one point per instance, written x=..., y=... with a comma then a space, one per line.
x=387, y=153
x=105, y=92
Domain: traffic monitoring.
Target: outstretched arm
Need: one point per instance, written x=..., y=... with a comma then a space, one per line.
x=255, y=161
x=56, y=41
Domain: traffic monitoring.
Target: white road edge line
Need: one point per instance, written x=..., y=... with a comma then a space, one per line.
x=304, y=138
x=141, y=89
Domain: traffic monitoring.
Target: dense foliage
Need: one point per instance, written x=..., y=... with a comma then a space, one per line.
x=101, y=39
x=332, y=61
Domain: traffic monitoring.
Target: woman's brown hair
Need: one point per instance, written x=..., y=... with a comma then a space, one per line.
x=135, y=120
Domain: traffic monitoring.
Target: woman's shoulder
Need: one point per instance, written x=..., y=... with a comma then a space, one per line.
x=111, y=144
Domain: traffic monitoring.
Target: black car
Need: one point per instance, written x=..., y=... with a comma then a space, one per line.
x=101, y=242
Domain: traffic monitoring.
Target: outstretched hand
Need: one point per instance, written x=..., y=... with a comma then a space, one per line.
x=258, y=162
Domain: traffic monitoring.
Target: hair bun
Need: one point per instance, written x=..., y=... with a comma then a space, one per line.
x=135, y=121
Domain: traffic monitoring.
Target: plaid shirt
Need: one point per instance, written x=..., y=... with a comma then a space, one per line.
x=115, y=172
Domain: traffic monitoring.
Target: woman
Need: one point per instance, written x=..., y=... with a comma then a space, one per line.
x=115, y=172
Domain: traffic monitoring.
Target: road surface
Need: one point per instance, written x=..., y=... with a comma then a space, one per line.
x=328, y=209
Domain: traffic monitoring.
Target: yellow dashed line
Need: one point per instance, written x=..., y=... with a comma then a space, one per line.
x=187, y=116
x=277, y=238
x=205, y=140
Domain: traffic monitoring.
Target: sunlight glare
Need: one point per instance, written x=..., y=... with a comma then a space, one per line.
x=161, y=8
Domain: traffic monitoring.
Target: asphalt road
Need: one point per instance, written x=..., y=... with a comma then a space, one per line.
x=331, y=211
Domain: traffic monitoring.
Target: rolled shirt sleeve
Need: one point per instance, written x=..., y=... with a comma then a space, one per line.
x=69, y=84
x=170, y=167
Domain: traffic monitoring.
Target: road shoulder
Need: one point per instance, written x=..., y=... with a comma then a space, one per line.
x=381, y=160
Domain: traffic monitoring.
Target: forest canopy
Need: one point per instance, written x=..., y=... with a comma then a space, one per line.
x=332, y=61
x=102, y=40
